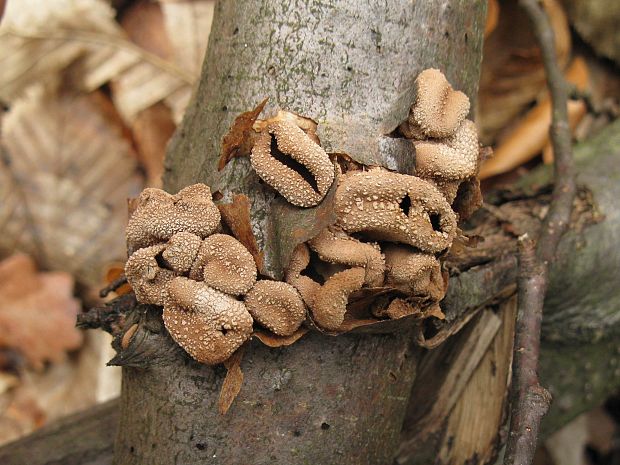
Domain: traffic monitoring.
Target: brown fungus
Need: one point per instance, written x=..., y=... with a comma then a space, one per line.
x=395, y=207
x=181, y=251
x=414, y=273
x=449, y=161
x=330, y=303
x=287, y=159
x=438, y=109
x=146, y=277
x=277, y=306
x=208, y=324
x=160, y=215
x=306, y=286
x=224, y=264
x=335, y=246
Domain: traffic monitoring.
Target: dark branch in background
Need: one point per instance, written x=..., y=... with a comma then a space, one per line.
x=529, y=400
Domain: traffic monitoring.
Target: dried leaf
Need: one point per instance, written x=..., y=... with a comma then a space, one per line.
x=116, y=271
x=512, y=72
x=64, y=180
x=188, y=24
x=271, y=340
x=37, y=311
x=492, y=17
x=238, y=141
x=236, y=216
x=531, y=134
x=232, y=382
x=41, y=39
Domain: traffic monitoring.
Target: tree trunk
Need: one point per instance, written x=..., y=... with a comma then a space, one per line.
x=351, y=67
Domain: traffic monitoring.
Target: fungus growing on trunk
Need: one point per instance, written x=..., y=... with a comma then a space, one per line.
x=330, y=303
x=181, y=251
x=335, y=246
x=306, y=286
x=414, y=273
x=224, y=264
x=147, y=278
x=449, y=161
x=277, y=306
x=287, y=159
x=395, y=207
x=208, y=324
x=159, y=215
x=438, y=109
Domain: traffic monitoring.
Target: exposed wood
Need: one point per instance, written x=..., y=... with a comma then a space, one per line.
x=85, y=438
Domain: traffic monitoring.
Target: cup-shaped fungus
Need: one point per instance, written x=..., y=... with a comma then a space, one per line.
x=181, y=251
x=330, y=303
x=146, y=277
x=208, y=324
x=449, y=161
x=438, y=109
x=335, y=246
x=224, y=264
x=160, y=215
x=306, y=286
x=395, y=207
x=277, y=306
x=414, y=273
x=287, y=159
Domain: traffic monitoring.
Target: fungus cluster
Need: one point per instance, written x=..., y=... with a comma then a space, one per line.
x=177, y=260
x=390, y=232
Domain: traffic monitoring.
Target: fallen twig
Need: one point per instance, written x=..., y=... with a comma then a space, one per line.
x=529, y=400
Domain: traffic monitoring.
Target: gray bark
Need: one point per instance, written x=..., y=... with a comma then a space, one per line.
x=351, y=67
x=580, y=372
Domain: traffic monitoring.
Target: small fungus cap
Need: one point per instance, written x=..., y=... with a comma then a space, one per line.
x=224, y=264
x=287, y=159
x=330, y=304
x=438, y=109
x=335, y=246
x=415, y=273
x=209, y=325
x=181, y=251
x=159, y=215
x=306, y=286
x=277, y=306
x=395, y=207
x=146, y=277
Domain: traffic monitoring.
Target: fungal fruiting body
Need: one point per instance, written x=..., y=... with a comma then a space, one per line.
x=438, y=109
x=277, y=306
x=146, y=277
x=287, y=159
x=160, y=215
x=395, y=207
x=208, y=324
x=224, y=264
x=306, y=286
x=417, y=274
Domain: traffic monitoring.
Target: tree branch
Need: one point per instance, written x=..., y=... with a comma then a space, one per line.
x=530, y=401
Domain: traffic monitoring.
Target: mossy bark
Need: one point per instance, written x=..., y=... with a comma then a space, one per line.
x=350, y=66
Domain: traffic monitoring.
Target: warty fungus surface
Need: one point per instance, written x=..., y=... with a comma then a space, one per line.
x=208, y=324
x=287, y=159
x=277, y=306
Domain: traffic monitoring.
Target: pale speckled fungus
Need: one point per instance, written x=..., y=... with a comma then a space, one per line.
x=395, y=207
x=414, y=273
x=335, y=246
x=277, y=306
x=146, y=277
x=449, y=161
x=160, y=215
x=330, y=303
x=306, y=286
x=208, y=324
x=224, y=264
x=181, y=251
x=438, y=109
x=287, y=159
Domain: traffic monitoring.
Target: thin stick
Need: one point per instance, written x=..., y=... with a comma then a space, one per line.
x=529, y=400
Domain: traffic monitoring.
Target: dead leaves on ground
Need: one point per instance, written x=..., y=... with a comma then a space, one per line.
x=37, y=311
x=64, y=178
